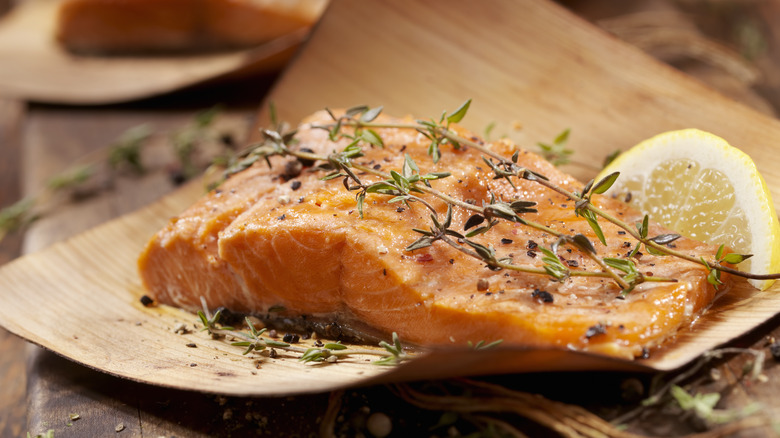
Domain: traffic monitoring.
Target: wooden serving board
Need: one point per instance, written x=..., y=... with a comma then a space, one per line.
x=534, y=64
x=527, y=62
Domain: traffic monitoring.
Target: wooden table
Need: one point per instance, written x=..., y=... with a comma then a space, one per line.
x=40, y=391
x=12, y=373
x=55, y=387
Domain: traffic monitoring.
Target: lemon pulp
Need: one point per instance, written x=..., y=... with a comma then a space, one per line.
x=696, y=184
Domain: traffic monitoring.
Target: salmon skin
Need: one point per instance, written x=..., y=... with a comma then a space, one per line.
x=270, y=240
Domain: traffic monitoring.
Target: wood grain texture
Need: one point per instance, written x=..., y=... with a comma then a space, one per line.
x=53, y=137
x=11, y=117
x=12, y=372
x=523, y=62
x=58, y=387
x=12, y=384
x=105, y=404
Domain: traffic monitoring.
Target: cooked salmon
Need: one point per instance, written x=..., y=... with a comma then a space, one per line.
x=267, y=239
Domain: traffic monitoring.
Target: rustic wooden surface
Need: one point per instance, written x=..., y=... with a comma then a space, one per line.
x=609, y=94
x=57, y=387
x=12, y=374
x=44, y=138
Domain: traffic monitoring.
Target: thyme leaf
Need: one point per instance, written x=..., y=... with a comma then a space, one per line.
x=556, y=152
x=459, y=113
x=610, y=158
x=734, y=258
x=473, y=221
x=370, y=114
x=665, y=239
x=592, y=219
x=127, y=148
x=71, y=177
x=607, y=182
x=17, y=215
x=553, y=265
x=481, y=345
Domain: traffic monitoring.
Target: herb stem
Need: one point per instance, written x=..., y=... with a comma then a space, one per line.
x=618, y=279
x=441, y=133
x=296, y=349
x=449, y=134
x=465, y=205
x=710, y=265
x=253, y=340
x=534, y=270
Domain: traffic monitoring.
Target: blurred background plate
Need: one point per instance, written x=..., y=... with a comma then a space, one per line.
x=36, y=68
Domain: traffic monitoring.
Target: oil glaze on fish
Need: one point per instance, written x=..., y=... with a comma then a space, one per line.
x=268, y=239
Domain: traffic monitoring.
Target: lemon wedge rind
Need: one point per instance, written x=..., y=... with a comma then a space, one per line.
x=752, y=200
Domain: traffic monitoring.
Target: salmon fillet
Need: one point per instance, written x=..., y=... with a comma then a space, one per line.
x=263, y=240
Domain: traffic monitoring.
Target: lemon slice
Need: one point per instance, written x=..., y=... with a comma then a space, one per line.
x=695, y=183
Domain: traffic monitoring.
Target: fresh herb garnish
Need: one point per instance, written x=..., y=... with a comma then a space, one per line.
x=556, y=152
x=124, y=155
x=406, y=185
x=327, y=353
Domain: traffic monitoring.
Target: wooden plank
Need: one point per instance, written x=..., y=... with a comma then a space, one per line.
x=421, y=58
x=11, y=116
x=12, y=373
x=106, y=405
x=53, y=138
x=12, y=384
x=530, y=63
x=58, y=388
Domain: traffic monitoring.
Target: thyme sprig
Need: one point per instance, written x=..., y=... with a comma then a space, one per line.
x=401, y=187
x=556, y=152
x=97, y=170
x=392, y=353
x=438, y=134
x=407, y=185
x=669, y=387
x=508, y=169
